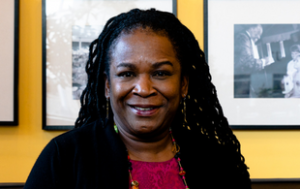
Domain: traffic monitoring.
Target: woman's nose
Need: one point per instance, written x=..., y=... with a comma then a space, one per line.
x=144, y=87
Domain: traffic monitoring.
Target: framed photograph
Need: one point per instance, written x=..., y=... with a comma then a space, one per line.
x=68, y=29
x=9, y=54
x=253, y=50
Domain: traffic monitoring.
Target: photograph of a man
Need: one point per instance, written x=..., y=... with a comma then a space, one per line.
x=262, y=60
x=246, y=55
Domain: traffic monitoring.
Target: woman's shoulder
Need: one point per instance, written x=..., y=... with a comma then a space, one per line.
x=81, y=144
x=80, y=139
x=78, y=153
x=89, y=130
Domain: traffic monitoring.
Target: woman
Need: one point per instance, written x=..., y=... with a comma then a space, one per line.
x=150, y=117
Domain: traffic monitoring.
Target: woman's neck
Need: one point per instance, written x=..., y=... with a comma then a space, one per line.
x=155, y=150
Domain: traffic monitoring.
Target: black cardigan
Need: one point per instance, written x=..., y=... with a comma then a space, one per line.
x=94, y=157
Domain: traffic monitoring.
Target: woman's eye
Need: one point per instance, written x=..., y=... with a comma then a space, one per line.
x=126, y=74
x=161, y=73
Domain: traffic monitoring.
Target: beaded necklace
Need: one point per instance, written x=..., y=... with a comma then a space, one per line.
x=175, y=148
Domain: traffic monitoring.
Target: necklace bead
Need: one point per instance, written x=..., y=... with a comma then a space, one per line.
x=182, y=173
x=134, y=183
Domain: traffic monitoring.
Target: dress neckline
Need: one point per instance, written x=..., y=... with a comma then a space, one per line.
x=157, y=162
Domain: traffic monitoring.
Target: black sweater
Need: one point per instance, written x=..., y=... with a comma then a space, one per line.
x=94, y=157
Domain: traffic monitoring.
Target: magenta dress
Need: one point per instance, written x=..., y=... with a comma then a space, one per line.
x=157, y=175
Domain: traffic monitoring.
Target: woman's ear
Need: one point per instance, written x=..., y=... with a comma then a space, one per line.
x=107, y=86
x=184, y=86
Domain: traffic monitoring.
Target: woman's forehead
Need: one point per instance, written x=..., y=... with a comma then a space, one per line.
x=142, y=46
x=138, y=29
x=143, y=40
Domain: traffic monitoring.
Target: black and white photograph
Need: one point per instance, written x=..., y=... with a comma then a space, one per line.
x=82, y=36
x=253, y=53
x=266, y=60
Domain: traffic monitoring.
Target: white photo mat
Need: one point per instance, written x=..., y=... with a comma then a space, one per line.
x=222, y=15
x=8, y=62
x=60, y=17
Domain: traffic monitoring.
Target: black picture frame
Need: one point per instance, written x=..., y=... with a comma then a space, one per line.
x=9, y=96
x=54, y=117
x=258, y=111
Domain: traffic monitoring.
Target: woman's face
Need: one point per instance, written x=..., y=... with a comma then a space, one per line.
x=145, y=85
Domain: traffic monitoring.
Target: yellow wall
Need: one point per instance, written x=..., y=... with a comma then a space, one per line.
x=269, y=154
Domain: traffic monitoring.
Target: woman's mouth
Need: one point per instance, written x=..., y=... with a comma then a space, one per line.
x=145, y=110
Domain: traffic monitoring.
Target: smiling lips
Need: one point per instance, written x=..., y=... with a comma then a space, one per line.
x=142, y=110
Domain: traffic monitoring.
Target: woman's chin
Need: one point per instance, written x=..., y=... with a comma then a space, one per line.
x=147, y=131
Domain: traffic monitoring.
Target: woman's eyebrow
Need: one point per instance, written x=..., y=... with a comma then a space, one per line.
x=155, y=65
x=159, y=64
x=127, y=65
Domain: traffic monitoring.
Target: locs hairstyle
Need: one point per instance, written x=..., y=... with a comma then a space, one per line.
x=203, y=112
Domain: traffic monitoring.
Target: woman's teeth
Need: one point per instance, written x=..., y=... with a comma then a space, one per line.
x=144, y=109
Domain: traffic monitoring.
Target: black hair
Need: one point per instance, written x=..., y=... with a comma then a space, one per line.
x=203, y=112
